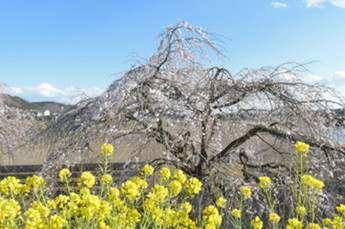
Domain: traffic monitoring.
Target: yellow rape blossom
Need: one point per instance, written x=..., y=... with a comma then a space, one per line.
x=107, y=149
x=236, y=213
x=35, y=182
x=274, y=217
x=84, y=191
x=113, y=193
x=9, y=210
x=175, y=187
x=165, y=173
x=24, y=190
x=103, y=225
x=193, y=185
x=326, y=221
x=75, y=197
x=314, y=226
x=220, y=202
x=158, y=193
x=341, y=209
x=43, y=210
x=338, y=223
x=264, y=182
x=246, y=191
x=294, y=224
x=86, y=180
x=130, y=190
x=133, y=215
x=157, y=216
x=61, y=201
x=64, y=174
x=142, y=184
x=51, y=204
x=33, y=219
x=10, y=185
x=211, y=216
x=301, y=210
x=105, y=210
x=186, y=207
x=171, y=217
x=106, y=179
x=147, y=170
x=301, y=147
x=57, y=222
x=256, y=223
x=312, y=182
x=90, y=205
x=180, y=176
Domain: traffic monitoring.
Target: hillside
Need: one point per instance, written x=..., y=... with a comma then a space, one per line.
x=17, y=102
x=53, y=107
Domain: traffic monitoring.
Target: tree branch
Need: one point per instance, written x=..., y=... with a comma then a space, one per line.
x=275, y=132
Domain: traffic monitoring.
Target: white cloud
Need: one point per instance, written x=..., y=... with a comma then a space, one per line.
x=310, y=78
x=279, y=5
x=46, y=92
x=15, y=90
x=318, y=3
x=338, y=80
x=340, y=75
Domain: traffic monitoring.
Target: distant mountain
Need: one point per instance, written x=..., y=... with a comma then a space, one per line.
x=53, y=107
x=17, y=102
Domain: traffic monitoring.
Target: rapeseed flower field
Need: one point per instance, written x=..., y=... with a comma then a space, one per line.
x=161, y=203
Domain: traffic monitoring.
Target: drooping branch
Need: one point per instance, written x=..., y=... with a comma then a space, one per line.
x=292, y=137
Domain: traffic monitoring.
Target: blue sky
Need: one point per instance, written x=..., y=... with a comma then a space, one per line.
x=51, y=49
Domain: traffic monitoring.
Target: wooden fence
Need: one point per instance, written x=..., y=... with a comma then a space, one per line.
x=119, y=171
